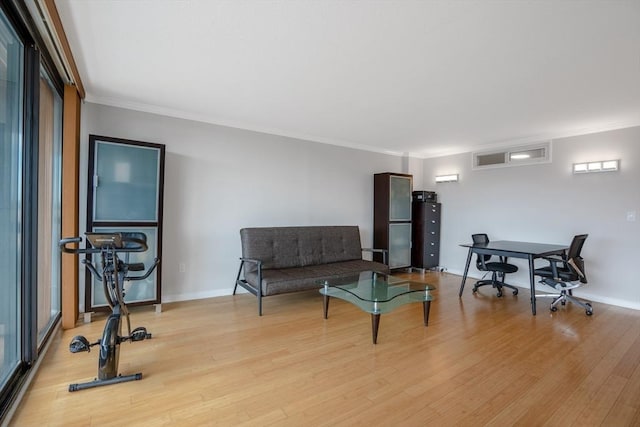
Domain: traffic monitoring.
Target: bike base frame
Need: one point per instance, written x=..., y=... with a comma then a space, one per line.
x=100, y=383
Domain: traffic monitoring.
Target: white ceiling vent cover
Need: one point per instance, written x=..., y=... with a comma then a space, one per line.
x=539, y=152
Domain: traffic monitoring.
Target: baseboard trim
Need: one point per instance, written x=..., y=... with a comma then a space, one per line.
x=579, y=293
x=200, y=295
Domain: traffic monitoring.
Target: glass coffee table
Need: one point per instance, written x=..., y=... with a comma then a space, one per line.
x=376, y=293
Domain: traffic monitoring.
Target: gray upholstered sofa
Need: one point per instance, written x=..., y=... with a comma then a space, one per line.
x=277, y=260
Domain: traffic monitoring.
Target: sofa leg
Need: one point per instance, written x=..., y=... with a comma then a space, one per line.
x=259, y=290
x=235, y=288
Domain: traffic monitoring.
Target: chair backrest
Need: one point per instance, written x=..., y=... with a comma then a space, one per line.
x=574, y=260
x=481, y=238
x=576, y=245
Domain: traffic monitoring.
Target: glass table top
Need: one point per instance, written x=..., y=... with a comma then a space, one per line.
x=374, y=292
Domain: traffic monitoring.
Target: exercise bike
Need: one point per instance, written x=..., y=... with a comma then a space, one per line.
x=113, y=275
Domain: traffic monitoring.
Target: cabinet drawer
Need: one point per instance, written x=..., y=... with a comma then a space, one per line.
x=432, y=229
x=432, y=253
x=432, y=234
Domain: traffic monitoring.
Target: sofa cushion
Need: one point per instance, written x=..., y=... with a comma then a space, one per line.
x=279, y=281
x=290, y=247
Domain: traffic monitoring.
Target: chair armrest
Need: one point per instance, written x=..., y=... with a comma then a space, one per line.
x=554, y=260
x=384, y=253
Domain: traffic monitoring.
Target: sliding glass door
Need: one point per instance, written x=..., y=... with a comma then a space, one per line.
x=30, y=202
x=11, y=108
x=49, y=205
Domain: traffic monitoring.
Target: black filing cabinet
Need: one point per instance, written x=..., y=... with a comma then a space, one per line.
x=425, y=248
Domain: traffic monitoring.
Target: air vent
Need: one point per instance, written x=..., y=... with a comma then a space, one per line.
x=513, y=156
x=491, y=159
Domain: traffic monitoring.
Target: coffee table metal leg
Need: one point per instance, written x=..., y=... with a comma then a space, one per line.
x=325, y=305
x=426, y=306
x=375, y=323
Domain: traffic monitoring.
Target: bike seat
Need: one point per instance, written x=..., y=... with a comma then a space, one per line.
x=136, y=266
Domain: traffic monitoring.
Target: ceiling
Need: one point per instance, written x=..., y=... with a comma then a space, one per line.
x=419, y=78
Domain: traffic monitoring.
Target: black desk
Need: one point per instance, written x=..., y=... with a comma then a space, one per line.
x=506, y=248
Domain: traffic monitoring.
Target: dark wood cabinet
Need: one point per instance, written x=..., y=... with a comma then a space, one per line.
x=392, y=217
x=125, y=193
x=425, y=251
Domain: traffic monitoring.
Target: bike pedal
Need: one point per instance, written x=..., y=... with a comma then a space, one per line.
x=79, y=344
x=139, y=334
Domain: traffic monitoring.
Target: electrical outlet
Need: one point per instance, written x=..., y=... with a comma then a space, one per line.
x=182, y=267
x=631, y=216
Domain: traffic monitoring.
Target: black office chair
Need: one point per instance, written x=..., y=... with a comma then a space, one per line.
x=496, y=268
x=564, y=274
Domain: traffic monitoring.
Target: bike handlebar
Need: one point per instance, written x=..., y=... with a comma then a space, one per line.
x=117, y=242
x=64, y=242
x=139, y=245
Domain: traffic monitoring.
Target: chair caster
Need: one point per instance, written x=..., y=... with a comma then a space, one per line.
x=554, y=309
x=79, y=344
x=475, y=289
x=515, y=292
x=499, y=294
x=140, y=334
x=589, y=311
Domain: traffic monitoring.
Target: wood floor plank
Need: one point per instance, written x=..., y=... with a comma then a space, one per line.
x=482, y=360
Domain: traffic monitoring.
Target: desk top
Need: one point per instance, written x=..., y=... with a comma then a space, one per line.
x=538, y=249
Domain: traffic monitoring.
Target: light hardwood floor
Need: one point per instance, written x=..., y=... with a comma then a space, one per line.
x=482, y=360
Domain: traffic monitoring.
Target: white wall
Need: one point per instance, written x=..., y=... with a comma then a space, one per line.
x=219, y=180
x=548, y=204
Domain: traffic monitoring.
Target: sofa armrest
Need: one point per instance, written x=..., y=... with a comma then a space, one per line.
x=253, y=261
x=384, y=253
x=258, y=264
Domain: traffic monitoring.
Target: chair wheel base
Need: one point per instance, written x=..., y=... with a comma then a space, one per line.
x=588, y=309
x=497, y=285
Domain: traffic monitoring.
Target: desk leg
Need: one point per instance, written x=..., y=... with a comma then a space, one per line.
x=466, y=270
x=532, y=283
x=375, y=323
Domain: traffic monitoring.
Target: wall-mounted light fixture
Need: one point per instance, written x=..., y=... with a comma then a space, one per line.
x=447, y=178
x=599, y=166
